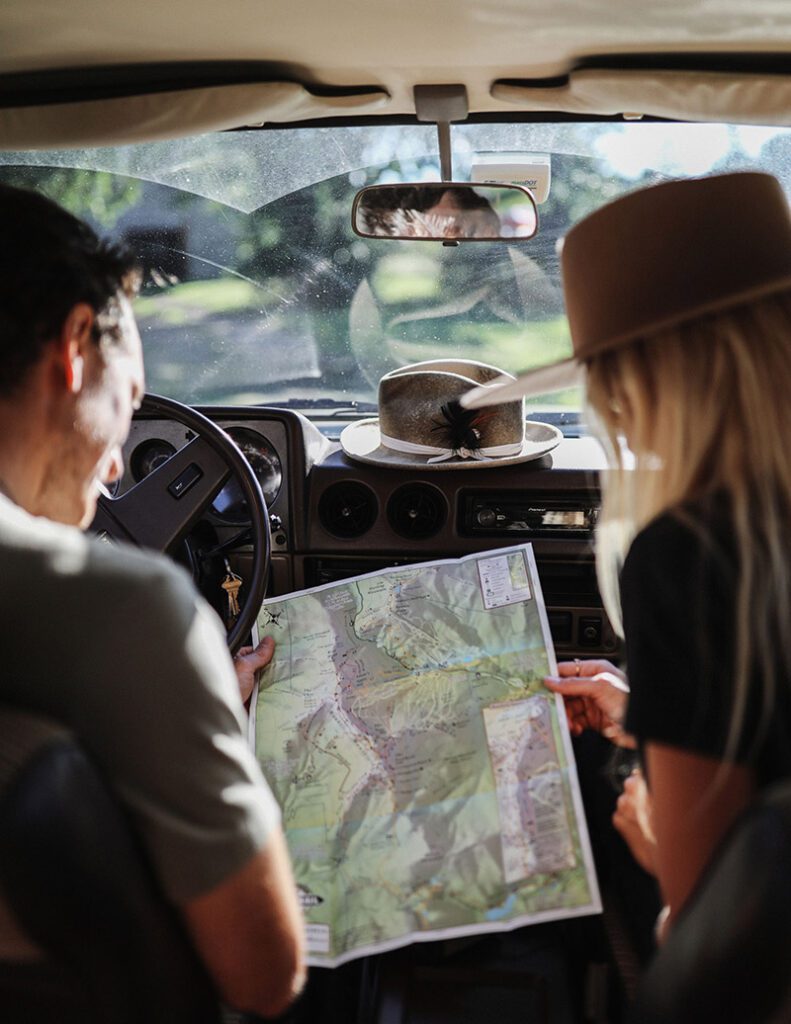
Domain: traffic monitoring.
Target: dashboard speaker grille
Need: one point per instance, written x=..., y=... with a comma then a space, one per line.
x=417, y=511
x=348, y=509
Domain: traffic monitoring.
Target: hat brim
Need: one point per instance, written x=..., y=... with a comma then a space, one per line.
x=541, y=381
x=361, y=441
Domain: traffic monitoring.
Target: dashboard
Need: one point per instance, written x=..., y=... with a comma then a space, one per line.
x=332, y=518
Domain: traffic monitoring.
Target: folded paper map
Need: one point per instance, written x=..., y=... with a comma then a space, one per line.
x=425, y=774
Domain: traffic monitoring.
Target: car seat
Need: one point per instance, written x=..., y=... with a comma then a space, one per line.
x=728, y=956
x=76, y=885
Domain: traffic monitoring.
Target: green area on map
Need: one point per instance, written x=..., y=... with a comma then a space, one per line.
x=418, y=760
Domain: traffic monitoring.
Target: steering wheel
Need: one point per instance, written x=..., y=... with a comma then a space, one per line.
x=158, y=511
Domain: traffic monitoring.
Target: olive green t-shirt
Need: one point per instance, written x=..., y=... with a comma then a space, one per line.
x=116, y=644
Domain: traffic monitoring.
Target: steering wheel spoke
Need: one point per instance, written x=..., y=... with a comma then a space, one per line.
x=161, y=509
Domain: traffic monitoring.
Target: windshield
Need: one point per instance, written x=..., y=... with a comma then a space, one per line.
x=258, y=291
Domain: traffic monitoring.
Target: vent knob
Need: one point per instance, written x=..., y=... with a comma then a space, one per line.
x=417, y=511
x=348, y=509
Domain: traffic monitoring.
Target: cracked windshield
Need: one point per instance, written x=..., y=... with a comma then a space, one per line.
x=258, y=291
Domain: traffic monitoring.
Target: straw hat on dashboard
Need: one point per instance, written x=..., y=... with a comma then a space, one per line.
x=659, y=257
x=420, y=422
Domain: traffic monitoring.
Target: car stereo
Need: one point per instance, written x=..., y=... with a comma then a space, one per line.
x=491, y=514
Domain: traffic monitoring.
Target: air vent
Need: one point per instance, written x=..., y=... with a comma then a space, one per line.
x=417, y=511
x=348, y=509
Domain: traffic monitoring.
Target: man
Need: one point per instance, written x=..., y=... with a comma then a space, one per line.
x=115, y=643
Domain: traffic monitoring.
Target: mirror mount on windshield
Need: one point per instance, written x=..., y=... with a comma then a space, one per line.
x=442, y=104
x=446, y=211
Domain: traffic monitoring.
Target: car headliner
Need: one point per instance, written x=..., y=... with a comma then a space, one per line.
x=260, y=61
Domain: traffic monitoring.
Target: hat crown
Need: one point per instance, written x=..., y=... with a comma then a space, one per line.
x=421, y=422
x=412, y=399
x=663, y=255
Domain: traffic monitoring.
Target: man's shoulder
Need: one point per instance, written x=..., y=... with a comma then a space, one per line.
x=131, y=569
x=86, y=623
x=143, y=586
x=45, y=560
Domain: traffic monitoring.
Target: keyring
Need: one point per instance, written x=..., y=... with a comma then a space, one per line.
x=578, y=663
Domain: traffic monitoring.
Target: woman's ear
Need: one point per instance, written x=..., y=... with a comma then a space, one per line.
x=629, y=412
x=75, y=336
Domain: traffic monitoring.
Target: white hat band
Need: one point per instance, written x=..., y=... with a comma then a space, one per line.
x=441, y=454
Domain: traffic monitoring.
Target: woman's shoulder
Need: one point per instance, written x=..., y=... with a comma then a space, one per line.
x=682, y=535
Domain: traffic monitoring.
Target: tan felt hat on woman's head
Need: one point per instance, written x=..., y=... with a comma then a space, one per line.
x=420, y=422
x=659, y=257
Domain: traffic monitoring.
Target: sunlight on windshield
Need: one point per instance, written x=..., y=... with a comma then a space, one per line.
x=258, y=291
x=630, y=149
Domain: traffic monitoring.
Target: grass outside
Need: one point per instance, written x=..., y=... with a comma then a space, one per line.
x=512, y=347
x=193, y=301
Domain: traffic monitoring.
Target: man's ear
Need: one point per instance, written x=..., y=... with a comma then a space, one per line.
x=75, y=337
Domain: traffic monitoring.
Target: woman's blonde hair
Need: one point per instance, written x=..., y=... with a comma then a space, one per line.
x=708, y=412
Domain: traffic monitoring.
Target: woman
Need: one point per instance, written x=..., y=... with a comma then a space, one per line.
x=679, y=302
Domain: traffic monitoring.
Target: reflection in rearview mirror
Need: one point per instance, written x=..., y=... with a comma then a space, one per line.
x=441, y=211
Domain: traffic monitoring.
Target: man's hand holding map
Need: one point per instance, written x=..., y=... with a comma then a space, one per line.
x=424, y=772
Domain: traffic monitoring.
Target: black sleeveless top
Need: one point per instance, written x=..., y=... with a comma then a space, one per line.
x=678, y=597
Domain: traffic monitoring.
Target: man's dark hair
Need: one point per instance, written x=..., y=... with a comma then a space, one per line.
x=49, y=261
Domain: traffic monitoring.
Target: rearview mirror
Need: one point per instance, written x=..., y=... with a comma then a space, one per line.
x=446, y=210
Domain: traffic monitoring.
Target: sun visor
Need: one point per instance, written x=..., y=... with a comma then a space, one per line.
x=684, y=95
x=165, y=115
